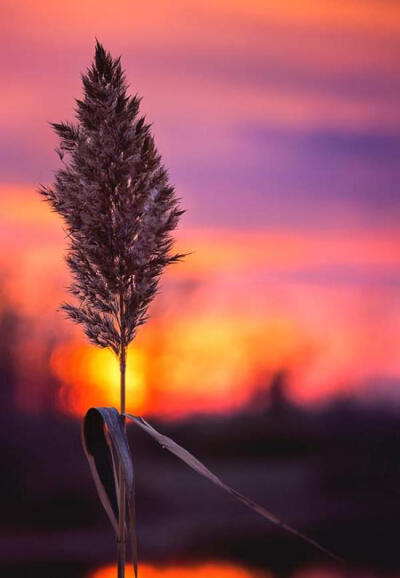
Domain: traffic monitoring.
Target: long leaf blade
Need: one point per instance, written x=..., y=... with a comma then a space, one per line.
x=200, y=468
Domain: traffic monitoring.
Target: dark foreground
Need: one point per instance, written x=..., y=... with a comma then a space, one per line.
x=334, y=475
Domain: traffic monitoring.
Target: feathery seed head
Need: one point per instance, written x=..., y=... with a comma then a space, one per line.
x=118, y=206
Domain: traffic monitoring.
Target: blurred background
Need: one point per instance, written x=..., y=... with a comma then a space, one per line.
x=272, y=351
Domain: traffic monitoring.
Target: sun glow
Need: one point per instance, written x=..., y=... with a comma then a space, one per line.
x=90, y=376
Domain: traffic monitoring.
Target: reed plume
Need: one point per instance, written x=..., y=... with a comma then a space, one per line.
x=118, y=206
x=119, y=210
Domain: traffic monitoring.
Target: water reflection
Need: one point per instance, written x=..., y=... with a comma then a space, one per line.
x=210, y=570
x=223, y=570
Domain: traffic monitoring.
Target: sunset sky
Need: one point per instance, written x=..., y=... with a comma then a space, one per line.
x=280, y=125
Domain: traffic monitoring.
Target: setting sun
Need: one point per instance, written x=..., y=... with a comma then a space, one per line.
x=91, y=376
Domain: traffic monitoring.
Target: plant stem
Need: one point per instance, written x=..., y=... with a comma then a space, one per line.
x=122, y=489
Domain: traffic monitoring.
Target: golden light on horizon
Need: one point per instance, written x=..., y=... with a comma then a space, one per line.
x=219, y=359
x=206, y=363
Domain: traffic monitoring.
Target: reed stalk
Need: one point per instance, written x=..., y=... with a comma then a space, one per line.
x=119, y=211
x=122, y=488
